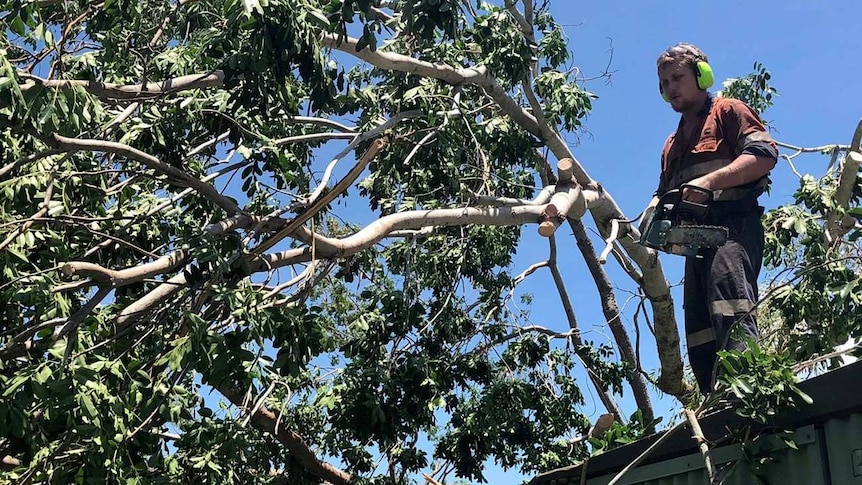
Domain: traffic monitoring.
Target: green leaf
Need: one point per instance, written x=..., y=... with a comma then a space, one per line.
x=14, y=252
x=319, y=17
x=88, y=405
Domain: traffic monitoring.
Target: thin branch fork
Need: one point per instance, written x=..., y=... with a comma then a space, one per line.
x=320, y=203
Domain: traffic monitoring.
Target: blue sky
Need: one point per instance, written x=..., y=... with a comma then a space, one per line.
x=811, y=49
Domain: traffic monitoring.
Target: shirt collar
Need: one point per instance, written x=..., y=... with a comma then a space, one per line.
x=704, y=110
x=707, y=105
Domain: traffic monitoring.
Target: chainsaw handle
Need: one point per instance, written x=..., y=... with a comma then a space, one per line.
x=694, y=188
x=695, y=207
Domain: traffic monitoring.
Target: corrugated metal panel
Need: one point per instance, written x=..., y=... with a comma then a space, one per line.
x=791, y=467
x=844, y=446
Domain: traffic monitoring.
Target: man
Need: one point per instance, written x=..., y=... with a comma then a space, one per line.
x=720, y=145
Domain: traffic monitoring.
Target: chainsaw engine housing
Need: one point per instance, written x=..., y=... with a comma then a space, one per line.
x=675, y=225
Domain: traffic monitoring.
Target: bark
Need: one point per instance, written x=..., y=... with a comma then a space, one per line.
x=835, y=226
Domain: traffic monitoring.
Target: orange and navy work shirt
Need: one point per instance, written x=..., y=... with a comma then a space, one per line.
x=728, y=128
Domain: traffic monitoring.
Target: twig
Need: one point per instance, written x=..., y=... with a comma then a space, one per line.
x=258, y=403
x=697, y=434
x=203, y=146
x=541, y=199
x=609, y=242
x=327, y=173
x=46, y=201
x=321, y=121
x=838, y=353
x=76, y=319
x=666, y=436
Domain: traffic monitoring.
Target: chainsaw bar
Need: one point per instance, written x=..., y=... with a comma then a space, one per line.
x=697, y=236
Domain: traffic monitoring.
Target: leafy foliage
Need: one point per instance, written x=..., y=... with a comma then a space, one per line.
x=151, y=150
x=763, y=384
x=116, y=116
x=754, y=89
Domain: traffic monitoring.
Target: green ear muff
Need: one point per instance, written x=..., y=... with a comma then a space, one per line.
x=705, y=78
x=663, y=95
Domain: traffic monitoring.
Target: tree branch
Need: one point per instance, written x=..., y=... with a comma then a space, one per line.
x=320, y=203
x=266, y=420
x=654, y=282
x=835, y=226
x=11, y=167
x=45, y=207
x=543, y=198
x=131, y=91
x=118, y=278
x=697, y=435
x=322, y=122
x=180, y=177
x=457, y=76
x=611, y=310
x=131, y=314
x=377, y=230
x=600, y=387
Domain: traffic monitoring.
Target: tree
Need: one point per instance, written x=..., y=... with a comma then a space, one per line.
x=169, y=240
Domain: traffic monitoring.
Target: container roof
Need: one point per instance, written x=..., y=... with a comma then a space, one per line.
x=835, y=393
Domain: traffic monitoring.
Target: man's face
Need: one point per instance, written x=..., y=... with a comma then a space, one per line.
x=679, y=83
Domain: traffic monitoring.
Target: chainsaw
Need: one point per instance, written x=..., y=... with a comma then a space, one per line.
x=674, y=225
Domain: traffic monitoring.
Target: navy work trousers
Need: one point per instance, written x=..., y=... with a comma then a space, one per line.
x=720, y=292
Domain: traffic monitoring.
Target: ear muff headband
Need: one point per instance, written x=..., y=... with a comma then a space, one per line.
x=704, y=75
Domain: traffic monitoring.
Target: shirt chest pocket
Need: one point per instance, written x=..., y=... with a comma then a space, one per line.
x=707, y=146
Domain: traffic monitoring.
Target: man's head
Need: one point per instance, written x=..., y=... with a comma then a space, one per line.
x=684, y=76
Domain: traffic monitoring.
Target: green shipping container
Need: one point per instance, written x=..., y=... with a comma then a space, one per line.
x=827, y=436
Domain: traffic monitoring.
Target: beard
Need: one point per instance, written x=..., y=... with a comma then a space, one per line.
x=681, y=105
